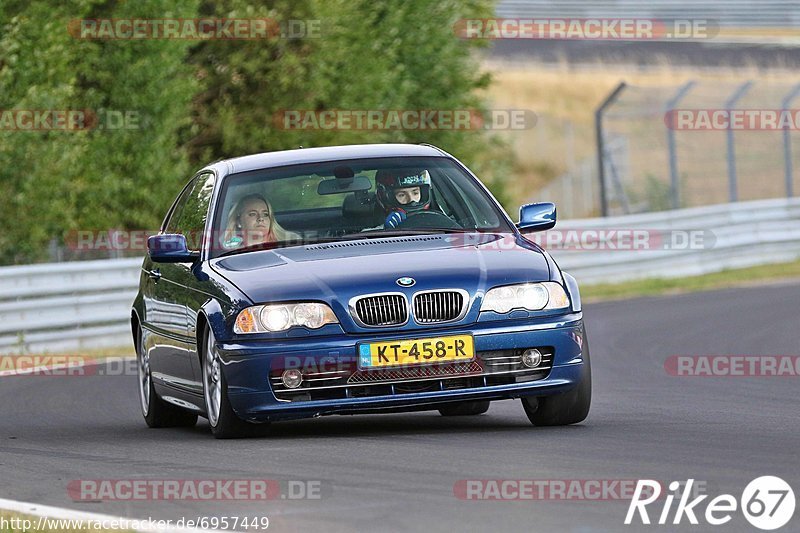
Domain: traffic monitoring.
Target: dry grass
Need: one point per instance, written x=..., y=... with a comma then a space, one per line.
x=573, y=92
x=85, y=353
x=565, y=98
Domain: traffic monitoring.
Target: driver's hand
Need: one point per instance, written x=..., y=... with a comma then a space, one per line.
x=394, y=219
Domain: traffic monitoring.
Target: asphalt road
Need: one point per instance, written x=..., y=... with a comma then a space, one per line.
x=397, y=472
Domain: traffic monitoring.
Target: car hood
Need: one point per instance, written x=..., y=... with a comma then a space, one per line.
x=336, y=272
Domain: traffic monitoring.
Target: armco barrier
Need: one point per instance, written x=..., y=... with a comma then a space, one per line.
x=86, y=305
x=67, y=306
x=744, y=234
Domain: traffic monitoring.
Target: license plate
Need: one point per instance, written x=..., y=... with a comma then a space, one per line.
x=455, y=348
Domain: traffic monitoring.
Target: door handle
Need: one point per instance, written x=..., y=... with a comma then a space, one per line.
x=154, y=274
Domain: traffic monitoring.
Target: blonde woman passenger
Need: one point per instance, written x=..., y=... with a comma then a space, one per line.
x=252, y=221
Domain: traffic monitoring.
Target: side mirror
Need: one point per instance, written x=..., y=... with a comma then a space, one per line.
x=536, y=217
x=170, y=248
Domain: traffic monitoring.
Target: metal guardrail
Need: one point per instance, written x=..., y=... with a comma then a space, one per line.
x=731, y=13
x=67, y=306
x=63, y=307
x=741, y=235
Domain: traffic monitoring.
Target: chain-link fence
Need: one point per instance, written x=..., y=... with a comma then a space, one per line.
x=692, y=144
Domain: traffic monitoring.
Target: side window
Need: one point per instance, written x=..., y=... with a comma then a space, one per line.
x=189, y=215
x=174, y=213
x=465, y=203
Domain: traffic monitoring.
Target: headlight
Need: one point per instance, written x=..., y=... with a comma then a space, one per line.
x=280, y=317
x=530, y=296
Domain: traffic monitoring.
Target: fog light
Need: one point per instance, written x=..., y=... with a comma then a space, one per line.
x=531, y=357
x=292, y=378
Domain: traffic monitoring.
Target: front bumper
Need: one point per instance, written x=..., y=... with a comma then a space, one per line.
x=254, y=396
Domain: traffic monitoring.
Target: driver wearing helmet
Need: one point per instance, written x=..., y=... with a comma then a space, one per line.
x=401, y=193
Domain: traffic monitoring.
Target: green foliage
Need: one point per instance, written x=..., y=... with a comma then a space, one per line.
x=104, y=177
x=192, y=102
x=134, y=173
x=244, y=82
x=35, y=73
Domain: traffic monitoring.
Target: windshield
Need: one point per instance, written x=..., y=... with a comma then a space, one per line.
x=339, y=200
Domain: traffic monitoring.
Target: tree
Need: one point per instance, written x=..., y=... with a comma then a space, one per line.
x=369, y=55
x=184, y=103
x=112, y=174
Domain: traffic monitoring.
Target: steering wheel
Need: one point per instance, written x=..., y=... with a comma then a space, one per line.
x=428, y=220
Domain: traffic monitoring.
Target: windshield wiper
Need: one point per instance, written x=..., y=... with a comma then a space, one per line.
x=396, y=233
x=261, y=246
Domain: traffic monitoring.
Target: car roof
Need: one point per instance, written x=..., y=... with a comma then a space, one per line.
x=328, y=153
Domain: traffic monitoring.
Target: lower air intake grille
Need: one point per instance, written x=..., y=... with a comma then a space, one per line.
x=420, y=372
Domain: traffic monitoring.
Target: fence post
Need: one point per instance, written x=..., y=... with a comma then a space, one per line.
x=674, y=181
x=787, y=142
x=598, y=122
x=733, y=186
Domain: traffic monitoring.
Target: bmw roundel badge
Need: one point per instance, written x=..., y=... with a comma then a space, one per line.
x=406, y=282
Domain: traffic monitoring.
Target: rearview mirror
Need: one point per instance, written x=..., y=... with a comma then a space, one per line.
x=343, y=185
x=170, y=248
x=536, y=217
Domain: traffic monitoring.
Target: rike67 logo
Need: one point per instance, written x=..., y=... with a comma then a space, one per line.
x=767, y=502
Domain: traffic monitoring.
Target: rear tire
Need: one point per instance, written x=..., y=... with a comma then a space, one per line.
x=568, y=407
x=224, y=422
x=465, y=408
x=157, y=413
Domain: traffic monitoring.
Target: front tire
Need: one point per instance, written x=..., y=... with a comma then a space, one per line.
x=157, y=413
x=224, y=422
x=465, y=408
x=567, y=408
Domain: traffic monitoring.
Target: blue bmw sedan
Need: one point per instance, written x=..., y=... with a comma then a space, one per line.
x=352, y=279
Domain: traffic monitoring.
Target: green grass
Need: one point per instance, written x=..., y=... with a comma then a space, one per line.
x=718, y=280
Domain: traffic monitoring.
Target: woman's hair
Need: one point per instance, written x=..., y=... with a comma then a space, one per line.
x=234, y=223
